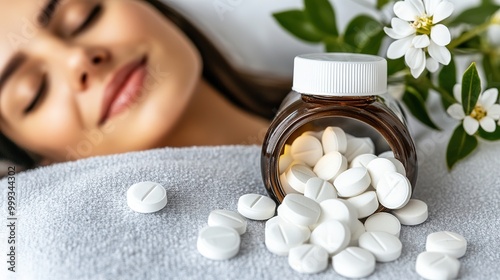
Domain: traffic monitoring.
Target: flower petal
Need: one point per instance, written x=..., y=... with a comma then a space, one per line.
x=494, y=112
x=392, y=33
x=419, y=64
x=456, y=111
x=439, y=53
x=440, y=35
x=419, y=6
x=442, y=11
x=430, y=6
x=414, y=57
x=431, y=64
x=402, y=27
x=457, y=92
x=398, y=48
x=405, y=10
x=488, y=124
x=488, y=98
x=421, y=41
x=470, y=125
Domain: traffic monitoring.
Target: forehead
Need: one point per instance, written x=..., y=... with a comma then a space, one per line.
x=18, y=24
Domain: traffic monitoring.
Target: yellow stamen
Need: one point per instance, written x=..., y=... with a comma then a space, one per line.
x=478, y=113
x=423, y=25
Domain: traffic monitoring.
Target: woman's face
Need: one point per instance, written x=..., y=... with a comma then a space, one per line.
x=83, y=78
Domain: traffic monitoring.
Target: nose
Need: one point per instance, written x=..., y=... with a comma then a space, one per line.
x=84, y=64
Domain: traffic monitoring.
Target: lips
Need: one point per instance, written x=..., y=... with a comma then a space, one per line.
x=123, y=89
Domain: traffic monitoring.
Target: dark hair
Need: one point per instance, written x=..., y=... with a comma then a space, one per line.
x=257, y=94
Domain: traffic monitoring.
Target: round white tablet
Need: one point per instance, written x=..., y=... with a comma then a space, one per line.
x=318, y=189
x=308, y=258
x=284, y=184
x=334, y=139
x=307, y=148
x=227, y=218
x=400, y=168
x=384, y=246
x=358, y=146
x=218, y=243
x=332, y=235
x=362, y=160
x=330, y=165
x=393, y=190
x=299, y=210
x=383, y=221
x=352, y=182
x=256, y=206
x=146, y=197
x=366, y=203
x=378, y=168
x=437, y=266
x=298, y=175
x=354, y=262
x=386, y=154
x=284, y=162
x=413, y=213
x=357, y=229
x=337, y=209
x=447, y=242
x=281, y=236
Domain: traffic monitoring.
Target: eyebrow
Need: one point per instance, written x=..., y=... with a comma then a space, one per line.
x=12, y=65
x=46, y=14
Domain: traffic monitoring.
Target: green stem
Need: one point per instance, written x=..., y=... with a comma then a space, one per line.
x=469, y=35
x=446, y=95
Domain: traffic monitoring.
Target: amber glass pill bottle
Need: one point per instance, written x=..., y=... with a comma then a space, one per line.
x=341, y=90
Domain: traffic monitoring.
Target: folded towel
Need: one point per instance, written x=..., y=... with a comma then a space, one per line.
x=74, y=222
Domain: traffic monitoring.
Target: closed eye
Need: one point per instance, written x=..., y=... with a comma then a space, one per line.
x=92, y=16
x=40, y=93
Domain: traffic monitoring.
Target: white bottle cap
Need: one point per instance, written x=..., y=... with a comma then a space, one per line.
x=340, y=74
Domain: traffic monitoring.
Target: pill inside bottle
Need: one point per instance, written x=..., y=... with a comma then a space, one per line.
x=338, y=116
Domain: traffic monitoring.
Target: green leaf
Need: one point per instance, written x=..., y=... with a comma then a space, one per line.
x=476, y=15
x=460, y=146
x=297, y=23
x=471, y=88
x=416, y=104
x=490, y=136
x=395, y=65
x=447, y=80
x=381, y=3
x=321, y=14
x=364, y=33
x=335, y=45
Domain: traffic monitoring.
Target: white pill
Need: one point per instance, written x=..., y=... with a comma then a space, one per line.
x=307, y=148
x=413, y=213
x=284, y=162
x=218, y=243
x=146, y=197
x=383, y=221
x=334, y=139
x=384, y=246
x=285, y=186
x=352, y=182
x=308, y=258
x=393, y=190
x=227, y=218
x=357, y=230
x=362, y=160
x=318, y=190
x=287, y=149
x=386, y=154
x=446, y=242
x=358, y=146
x=299, y=210
x=354, y=262
x=337, y=209
x=378, y=167
x=256, y=206
x=366, y=203
x=330, y=165
x=298, y=175
x=437, y=266
x=400, y=168
x=281, y=236
x=332, y=235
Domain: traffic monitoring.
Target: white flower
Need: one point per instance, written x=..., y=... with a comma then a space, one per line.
x=484, y=113
x=417, y=32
